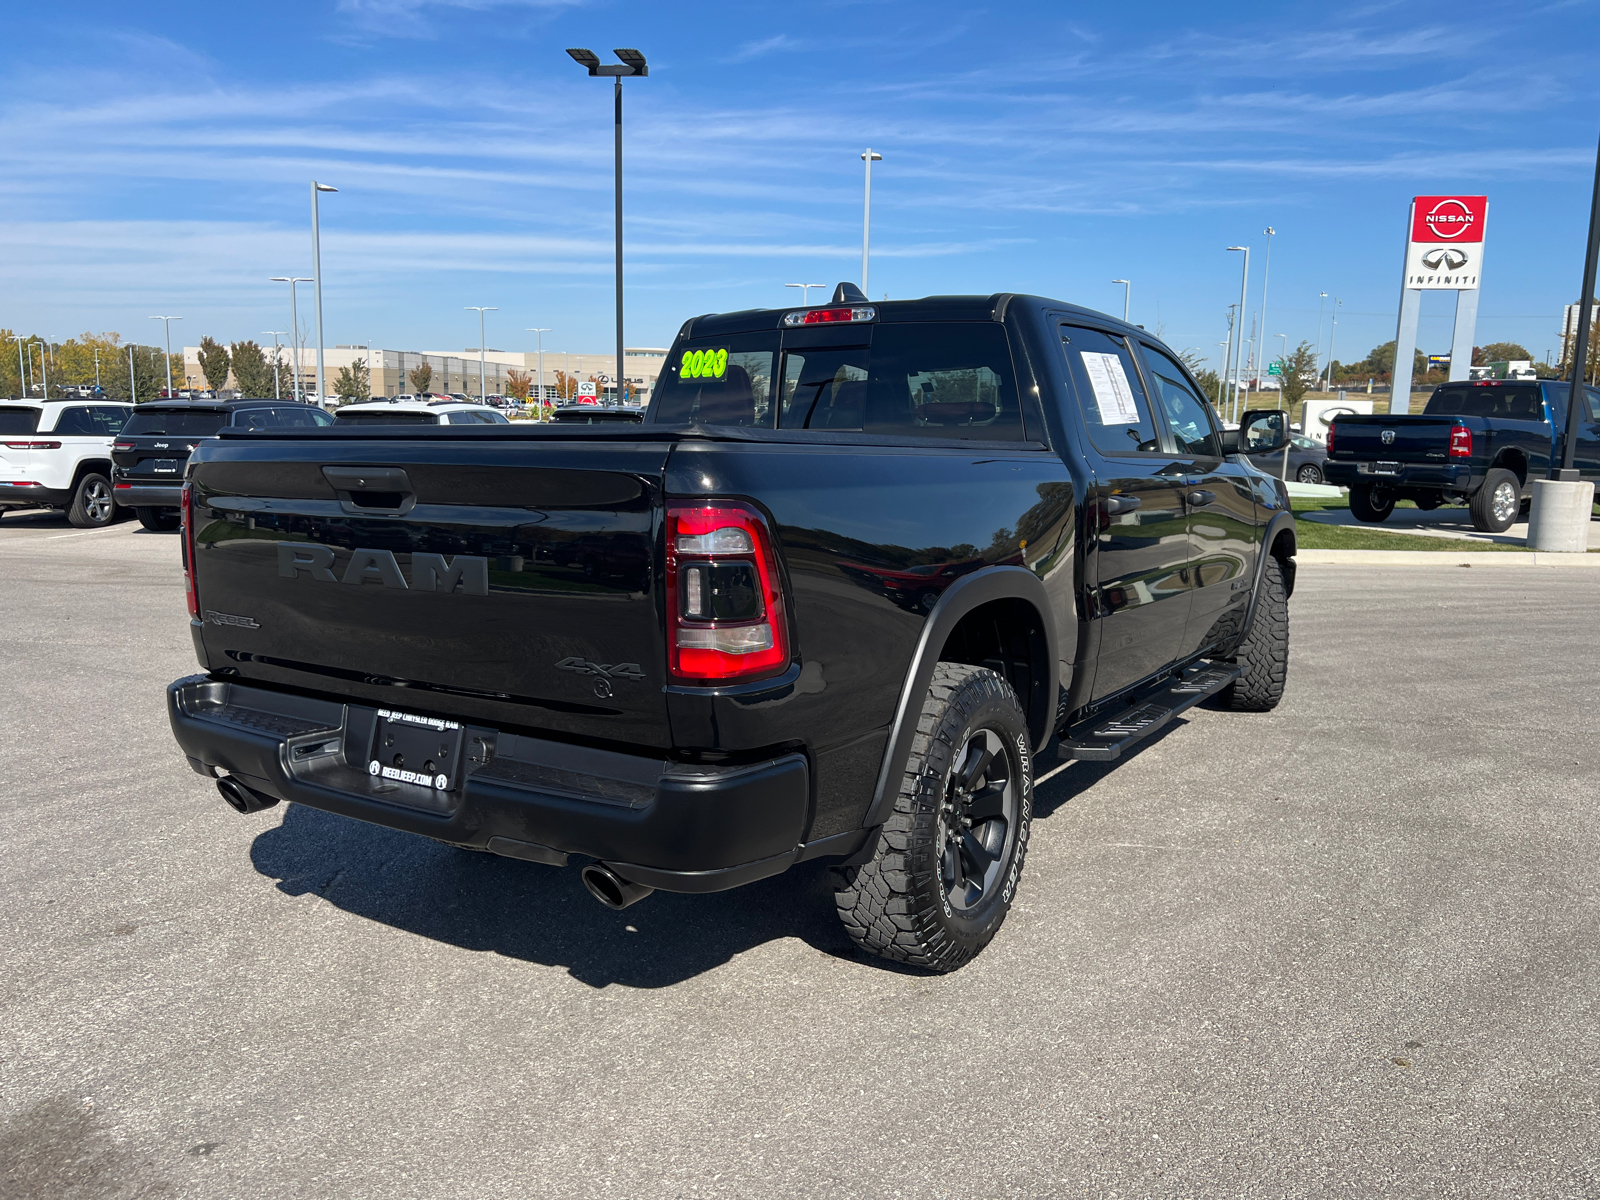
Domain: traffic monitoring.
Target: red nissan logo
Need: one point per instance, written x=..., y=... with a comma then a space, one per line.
x=1449, y=219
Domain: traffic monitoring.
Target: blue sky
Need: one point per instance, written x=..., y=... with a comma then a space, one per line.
x=159, y=153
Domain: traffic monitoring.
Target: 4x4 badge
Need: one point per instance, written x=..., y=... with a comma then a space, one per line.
x=605, y=673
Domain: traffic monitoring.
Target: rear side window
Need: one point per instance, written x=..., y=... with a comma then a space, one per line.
x=97, y=421
x=301, y=416
x=401, y=416
x=19, y=420
x=1110, y=393
x=148, y=422
x=718, y=381
x=1512, y=403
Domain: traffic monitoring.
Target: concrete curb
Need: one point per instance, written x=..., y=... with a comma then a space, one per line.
x=1446, y=558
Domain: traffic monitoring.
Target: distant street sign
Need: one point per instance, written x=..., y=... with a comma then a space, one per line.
x=1275, y=367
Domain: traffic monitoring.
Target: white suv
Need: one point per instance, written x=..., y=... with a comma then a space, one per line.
x=418, y=412
x=57, y=454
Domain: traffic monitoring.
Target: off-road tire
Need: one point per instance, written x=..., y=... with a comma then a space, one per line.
x=1364, y=508
x=159, y=520
x=896, y=904
x=1482, y=507
x=1264, y=656
x=92, y=506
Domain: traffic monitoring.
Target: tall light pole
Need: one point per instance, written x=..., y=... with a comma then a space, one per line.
x=1333, y=332
x=294, y=325
x=1227, y=359
x=1127, y=290
x=44, y=367
x=540, y=334
x=166, y=324
x=632, y=63
x=97, y=368
x=483, y=388
x=316, y=271
x=1321, y=304
x=805, y=293
x=1265, y=271
x=22, y=375
x=277, y=385
x=133, y=385
x=869, y=157
x=1238, y=352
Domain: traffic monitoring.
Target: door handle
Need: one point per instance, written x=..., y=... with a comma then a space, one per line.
x=1201, y=499
x=1121, y=504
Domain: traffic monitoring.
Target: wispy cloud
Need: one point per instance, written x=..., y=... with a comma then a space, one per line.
x=762, y=47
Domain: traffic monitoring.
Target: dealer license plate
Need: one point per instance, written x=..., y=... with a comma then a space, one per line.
x=1382, y=468
x=165, y=466
x=421, y=751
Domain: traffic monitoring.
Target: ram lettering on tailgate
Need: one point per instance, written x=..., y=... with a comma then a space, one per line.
x=466, y=573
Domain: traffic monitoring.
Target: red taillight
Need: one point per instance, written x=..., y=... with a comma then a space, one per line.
x=1461, y=442
x=122, y=445
x=186, y=507
x=1328, y=445
x=725, y=617
x=829, y=316
x=33, y=445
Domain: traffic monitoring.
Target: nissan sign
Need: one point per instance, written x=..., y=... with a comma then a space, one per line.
x=1445, y=247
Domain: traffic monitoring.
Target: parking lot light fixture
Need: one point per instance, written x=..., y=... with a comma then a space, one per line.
x=1127, y=290
x=632, y=64
x=483, y=387
x=869, y=156
x=22, y=375
x=539, y=333
x=1238, y=342
x=1266, y=271
x=316, y=271
x=805, y=292
x=166, y=324
x=294, y=326
x=277, y=385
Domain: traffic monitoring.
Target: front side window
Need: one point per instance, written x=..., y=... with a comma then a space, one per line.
x=1183, y=412
x=717, y=381
x=1110, y=392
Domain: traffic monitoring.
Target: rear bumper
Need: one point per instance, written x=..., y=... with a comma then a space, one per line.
x=667, y=825
x=10, y=493
x=1423, y=476
x=147, y=495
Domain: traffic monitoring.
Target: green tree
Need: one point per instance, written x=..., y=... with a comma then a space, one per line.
x=1500, y=352
x=214, y=363
x=1299, y=368
x=1380, y=360
x=353, y=382
x=149, y=373
x=421, y=376
x=251, y=370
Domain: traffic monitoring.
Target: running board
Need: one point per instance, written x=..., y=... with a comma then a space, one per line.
x=1104, y=738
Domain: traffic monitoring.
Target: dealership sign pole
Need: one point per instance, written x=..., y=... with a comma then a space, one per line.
x=1444, y=252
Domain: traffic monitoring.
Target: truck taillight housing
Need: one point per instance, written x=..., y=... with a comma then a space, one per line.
x=725, y=615
x=33, y=445
x=1328, y=445
x=1461, y=442
x=186, y=539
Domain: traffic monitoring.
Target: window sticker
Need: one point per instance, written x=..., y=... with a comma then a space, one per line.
x=1112, y=395
x=704, y=364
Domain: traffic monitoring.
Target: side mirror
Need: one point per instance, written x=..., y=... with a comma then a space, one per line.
x=1262, y=430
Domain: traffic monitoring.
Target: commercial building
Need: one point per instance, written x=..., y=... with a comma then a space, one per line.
x=391, y=371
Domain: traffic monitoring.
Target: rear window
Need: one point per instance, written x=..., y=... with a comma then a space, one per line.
x=174, y=422
x=19, y=420
x=934, y=380
x=1512, y=403
x=99, y=420
x=400, y=416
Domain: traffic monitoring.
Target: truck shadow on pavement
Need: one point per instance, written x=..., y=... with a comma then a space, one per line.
x=543, y=914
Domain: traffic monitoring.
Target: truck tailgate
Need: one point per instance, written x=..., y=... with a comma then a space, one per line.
x=1415, y=439
x=508, y=581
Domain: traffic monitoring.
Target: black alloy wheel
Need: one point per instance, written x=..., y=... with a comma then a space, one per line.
x=977, y=819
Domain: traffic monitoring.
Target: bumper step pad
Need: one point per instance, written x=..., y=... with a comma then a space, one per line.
x=1105, y=736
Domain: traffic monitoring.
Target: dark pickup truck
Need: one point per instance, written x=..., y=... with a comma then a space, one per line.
x=1479, y=444
x=859, y=564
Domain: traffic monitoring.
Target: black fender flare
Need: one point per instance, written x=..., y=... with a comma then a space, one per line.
x=959, y=599
x=1283, y=521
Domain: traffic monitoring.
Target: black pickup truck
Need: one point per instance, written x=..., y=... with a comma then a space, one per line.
x=856, y=568
x=1479, y=444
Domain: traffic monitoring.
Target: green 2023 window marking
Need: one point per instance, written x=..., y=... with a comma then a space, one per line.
x=703, y=364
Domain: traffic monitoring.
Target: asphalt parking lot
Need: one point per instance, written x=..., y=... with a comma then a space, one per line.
x=1348, y=948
